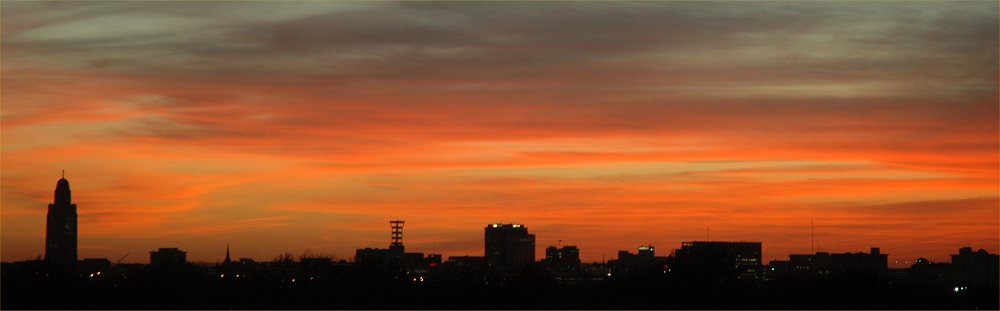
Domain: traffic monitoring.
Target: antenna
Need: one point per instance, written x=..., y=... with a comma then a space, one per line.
x=63, y=173
x=123, y=257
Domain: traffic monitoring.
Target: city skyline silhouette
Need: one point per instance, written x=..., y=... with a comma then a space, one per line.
x=62, y=203
x=817, y=138
x=507, y=246
x=699, y=275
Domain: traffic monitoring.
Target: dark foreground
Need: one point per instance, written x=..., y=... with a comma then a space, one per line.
x=371, y=287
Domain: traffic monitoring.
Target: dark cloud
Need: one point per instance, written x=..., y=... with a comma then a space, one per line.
x=920, y=209
x=622, y=43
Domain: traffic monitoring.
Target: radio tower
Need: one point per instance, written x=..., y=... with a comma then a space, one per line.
x=397, y=234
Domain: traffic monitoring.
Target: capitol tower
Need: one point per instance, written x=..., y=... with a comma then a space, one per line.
x=60, y=231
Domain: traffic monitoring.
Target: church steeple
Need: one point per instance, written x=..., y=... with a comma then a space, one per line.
x=227, y=255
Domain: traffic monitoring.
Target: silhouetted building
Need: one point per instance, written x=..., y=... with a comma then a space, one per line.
x=824, y=264
x=644, y=260
x=396, y=256
x=228, y=266
x=509, y=246
x=419, y=265
x=381, y=255
x=563, y=260
x=395, y=252
x=567, y=255
x=775, y=269
x=928, y=272
x=60, y=229
x=315, y=263
x=596, y=270
x=811, y=264
x=463, y=269
x=240, y=268
x=975, y=268
x=466, y=261
x=94, y=266
x=872, y=263
x=167, y=257
x=720, y=259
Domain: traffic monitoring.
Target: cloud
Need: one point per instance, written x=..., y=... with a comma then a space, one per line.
x=232, y=120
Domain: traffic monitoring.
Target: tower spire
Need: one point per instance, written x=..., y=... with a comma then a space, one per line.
x=227, y=254
x=60, y=226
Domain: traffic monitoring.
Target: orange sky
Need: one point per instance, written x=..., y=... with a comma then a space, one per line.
x=277, y=127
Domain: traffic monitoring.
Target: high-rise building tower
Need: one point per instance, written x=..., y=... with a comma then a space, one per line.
x=509, y=246
x=397, y=235
x=60, y=229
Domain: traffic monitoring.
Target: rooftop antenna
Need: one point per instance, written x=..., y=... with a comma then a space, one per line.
x=123, y=257
x=63, y=173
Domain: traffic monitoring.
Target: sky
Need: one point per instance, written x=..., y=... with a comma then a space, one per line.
x=304, y=127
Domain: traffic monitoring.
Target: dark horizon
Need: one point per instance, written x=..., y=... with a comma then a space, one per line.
x=62, y=199
x=63, y=214
x=698, y=275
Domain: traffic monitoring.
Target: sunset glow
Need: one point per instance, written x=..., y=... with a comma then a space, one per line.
x=284, y=126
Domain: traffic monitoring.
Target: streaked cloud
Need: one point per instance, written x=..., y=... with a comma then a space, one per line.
x=607, y=124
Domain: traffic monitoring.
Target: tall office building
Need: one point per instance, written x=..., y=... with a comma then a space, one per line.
x=509, y=246
x=60, y=229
